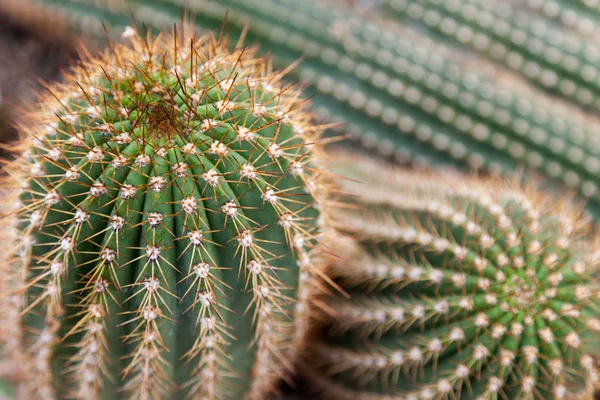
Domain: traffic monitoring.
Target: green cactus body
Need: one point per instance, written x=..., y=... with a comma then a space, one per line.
x=400, y=93
x=558, y=61
x=166, y=220
x=458, y=288
x=579, y=16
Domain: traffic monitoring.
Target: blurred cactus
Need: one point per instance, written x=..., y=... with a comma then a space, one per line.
x=582, y=16
x=459, y=288
x=400, y=92
x=554, y=59
x=164, y=215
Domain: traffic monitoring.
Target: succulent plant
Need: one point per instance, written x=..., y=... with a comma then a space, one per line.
x=556, y=60
x=403, y=93
x=581, y=16
x=162, y=217
x=456, y=287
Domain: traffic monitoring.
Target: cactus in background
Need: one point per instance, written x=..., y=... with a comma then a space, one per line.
x=556, y=60
x=397, y=91
x=459, y=288
x=575, y=15
x=161, y=226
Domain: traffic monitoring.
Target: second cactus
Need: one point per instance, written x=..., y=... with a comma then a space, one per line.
x=458, y=288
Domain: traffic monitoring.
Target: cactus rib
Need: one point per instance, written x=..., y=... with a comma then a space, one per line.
x=559, y=62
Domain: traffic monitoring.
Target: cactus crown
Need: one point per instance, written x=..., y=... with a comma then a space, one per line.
x=165, y=208
x=459, y=288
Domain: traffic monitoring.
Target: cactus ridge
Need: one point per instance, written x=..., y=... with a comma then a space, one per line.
x=459, y=288
x=558, y=62
x=165, y=204
x=580, y=16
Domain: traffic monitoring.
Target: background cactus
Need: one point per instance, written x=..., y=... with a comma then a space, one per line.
x=404, y=93
x=581, y=16
x=554, y=59
x=164, y=214
x=458, y=288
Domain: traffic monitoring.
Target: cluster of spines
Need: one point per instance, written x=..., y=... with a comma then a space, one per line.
x=457, y=286
x=145, y=142
x=13, y=300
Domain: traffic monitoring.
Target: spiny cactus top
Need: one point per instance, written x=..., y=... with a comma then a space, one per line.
x=164, y=216
x=459, y=288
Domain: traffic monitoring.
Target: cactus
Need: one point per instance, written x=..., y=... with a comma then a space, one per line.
x=164, y=213
x=458, y=288
x=580, y=16
x=398, y=92
x=558, y=61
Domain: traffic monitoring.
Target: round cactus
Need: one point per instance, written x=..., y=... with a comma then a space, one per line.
x=161, y=226
x=458, y=288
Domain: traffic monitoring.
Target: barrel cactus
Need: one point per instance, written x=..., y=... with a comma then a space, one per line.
x=159, y=233
x=458, y=288
x=406, y=93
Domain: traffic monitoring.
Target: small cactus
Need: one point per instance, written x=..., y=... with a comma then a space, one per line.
x=164, y=215
x=458, y=288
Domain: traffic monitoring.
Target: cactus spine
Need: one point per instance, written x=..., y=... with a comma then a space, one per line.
x=459, y=288
x=164, y=217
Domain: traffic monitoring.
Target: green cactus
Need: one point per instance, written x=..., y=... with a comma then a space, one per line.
x=580, y=16
x=556, y=60
x=164, y=218
x=398, y=92
x=458, y=288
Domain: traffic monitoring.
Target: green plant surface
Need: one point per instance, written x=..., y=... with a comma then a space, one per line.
x=400, y=93
x=158, y=234
x=554, y=59
x=455, y=287
x=581, y=17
